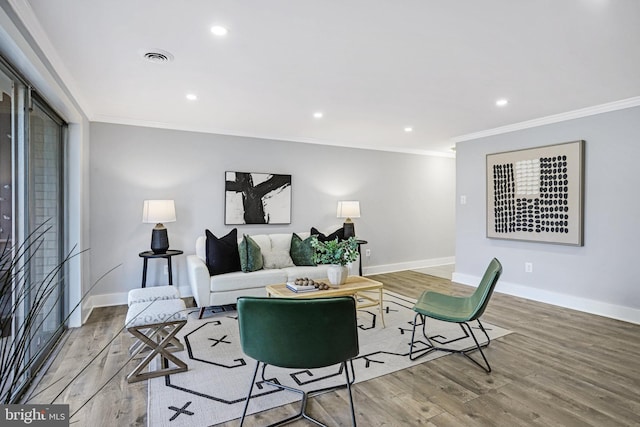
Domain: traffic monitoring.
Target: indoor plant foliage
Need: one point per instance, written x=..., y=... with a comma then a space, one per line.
x=17, y=286
x=338, y=253
x=335, y=252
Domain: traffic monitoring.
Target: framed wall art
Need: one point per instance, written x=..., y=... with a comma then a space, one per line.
x=537, y=194
x=257, y=198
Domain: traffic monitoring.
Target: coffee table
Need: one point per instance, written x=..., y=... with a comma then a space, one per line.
x=355, y=287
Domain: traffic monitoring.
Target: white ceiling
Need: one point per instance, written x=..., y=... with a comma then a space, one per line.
x=372, y=66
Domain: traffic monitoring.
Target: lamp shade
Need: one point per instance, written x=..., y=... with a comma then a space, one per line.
x=348, y=209
x=158, y=211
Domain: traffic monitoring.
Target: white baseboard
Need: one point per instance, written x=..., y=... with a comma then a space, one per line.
x=120, y=298
x=626, y=314
x=411, y=265
x=586, y=305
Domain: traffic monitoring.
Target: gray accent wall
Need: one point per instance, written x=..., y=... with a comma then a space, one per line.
x=407, y=201
x=599, y=277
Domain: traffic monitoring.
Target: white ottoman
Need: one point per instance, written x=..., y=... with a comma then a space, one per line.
x=152, y=294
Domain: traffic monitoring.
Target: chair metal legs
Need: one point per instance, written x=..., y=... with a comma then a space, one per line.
x=465, y=353
x=430, y=346
x=305, y=395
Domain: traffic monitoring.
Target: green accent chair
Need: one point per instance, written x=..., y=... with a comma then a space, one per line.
x=299, y=334
x=460, y=310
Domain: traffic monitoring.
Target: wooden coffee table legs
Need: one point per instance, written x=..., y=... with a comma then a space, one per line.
x=371, y=302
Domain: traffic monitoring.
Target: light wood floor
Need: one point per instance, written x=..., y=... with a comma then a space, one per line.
x=558, y=368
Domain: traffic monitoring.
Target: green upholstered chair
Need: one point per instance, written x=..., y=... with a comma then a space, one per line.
x=299, y=334
x=460, y=310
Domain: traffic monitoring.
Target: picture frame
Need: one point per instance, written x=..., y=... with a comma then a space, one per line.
x=257, y=198
x=536, y=194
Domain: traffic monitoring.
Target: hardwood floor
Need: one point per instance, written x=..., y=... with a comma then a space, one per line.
x=558, y=368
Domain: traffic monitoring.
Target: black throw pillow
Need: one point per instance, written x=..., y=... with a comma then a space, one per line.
x=222, y=253
x=339, y=233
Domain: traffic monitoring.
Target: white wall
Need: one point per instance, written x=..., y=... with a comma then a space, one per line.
x=601, y=276
x=407, y=201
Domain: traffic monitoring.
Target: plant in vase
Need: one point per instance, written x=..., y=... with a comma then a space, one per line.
x=338, y=253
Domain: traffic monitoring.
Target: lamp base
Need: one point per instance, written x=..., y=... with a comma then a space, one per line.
x=159, y=240
x=349, y=230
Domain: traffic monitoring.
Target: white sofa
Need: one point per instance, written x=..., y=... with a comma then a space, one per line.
x=224, y=289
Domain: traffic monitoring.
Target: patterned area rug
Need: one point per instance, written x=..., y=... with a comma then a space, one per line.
x=215, y=387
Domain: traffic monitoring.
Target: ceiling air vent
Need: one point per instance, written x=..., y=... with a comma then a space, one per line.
x=157, y=56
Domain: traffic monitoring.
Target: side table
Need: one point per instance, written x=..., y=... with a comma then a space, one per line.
x=146, y=255
x=360, y=242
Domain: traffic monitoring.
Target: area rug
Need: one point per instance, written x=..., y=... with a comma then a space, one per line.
x=215, y=387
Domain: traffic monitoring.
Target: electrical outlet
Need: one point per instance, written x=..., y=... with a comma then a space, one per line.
x=367, y=252
x=166, y=270
x=528, y=267
x=463, y=200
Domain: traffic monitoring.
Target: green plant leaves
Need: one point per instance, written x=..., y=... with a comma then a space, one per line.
x=340, y=252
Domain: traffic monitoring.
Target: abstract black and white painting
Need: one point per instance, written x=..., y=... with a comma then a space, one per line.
x=537, y=194
x=257, y=198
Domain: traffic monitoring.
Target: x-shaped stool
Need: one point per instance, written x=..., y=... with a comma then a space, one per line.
x=155, y=325
x=169, y=330
x=139, y=349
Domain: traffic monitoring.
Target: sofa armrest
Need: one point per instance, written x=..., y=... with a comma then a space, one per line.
x=199, y=280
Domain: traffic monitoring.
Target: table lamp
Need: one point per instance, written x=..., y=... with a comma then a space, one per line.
x=159, y=211
x=348, y=209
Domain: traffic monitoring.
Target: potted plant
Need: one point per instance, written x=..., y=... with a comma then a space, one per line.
x=338, y=253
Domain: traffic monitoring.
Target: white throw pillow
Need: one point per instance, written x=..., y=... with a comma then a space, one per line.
x=277, y=259
x=281, y=242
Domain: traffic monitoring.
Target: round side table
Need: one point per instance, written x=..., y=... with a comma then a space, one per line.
x=360, y=243
x=146, y=255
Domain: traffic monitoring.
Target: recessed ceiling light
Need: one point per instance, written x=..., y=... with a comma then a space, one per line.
x=192, y=96
x=219, y=30
x=502, y=102
x=318, y=114
x=408, y=129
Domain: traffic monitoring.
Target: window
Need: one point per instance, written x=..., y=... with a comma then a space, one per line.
x=31, y=231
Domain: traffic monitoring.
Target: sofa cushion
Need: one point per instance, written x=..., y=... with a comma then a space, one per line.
x=250, y=255
x=301, y=250
x=303, y=235
x=263, y=240
x=222, y=253
x=277, y=259
x=339, y=233
x=201, y=248
x=281, y=242
x=318, y=272
x=240, y=280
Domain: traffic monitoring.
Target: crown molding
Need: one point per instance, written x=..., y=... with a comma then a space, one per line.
x=41, y=64
x=556, y=118
x=102, y=118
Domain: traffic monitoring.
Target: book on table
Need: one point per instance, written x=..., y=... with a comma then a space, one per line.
x=301, y=288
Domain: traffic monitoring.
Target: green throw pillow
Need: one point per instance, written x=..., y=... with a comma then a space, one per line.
x=301, y=250
x=250, y=255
